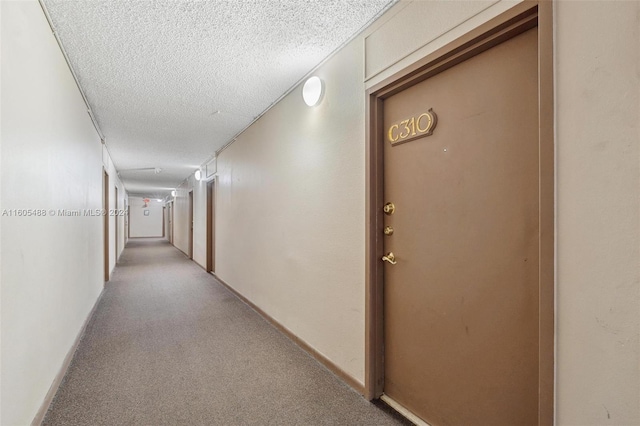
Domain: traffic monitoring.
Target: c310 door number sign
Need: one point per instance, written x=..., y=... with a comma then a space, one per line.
x=412, y=128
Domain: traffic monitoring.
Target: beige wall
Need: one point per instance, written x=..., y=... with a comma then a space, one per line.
x=199, y=221
x=181, y=229
x=598, y=212
x=145, y=226
x=181, y=215
x=52, y=267
x=400, y=37
x=180, y=218
x=120, y=204
x=290, y=214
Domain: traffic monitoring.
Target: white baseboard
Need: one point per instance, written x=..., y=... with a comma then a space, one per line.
x=402, y=410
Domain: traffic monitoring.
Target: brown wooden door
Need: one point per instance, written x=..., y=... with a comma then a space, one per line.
x=116, y=219
x=105, y=222
x=170, y=222
x=191, y=225
x=211, y=229
x=461, y=303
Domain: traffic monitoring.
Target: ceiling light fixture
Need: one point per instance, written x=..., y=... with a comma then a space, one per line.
x=198, y=175
x=312, y=91
x=173, y=193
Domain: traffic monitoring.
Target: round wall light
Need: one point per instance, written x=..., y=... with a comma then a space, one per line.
x=173, y=193
x=312, y=91
x=198, y=175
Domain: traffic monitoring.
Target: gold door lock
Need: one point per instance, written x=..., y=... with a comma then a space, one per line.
x=388, y=230
x=389, y=257
x=389, y=208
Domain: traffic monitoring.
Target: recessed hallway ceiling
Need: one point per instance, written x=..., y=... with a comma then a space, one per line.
x=170, y=82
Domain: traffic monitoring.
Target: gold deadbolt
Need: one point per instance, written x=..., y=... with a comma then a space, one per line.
x=388, y=230
x=389, y=208
x=389, y=257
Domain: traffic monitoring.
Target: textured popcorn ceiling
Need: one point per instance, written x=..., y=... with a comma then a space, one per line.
x=170, y=82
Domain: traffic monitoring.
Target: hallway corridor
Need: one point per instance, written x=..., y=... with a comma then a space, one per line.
x=170, y=345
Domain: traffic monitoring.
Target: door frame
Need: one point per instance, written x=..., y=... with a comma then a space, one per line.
x=105, y=220
x=505, y=26
x=170, y=206
x=116, y=216
x=211, y=226
x=190, y=224
x=164, y=214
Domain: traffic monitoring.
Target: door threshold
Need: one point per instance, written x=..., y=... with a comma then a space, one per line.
x=403, y=411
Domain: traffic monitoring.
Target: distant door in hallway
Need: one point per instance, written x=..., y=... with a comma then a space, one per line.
x=211, y=226
x=191, y=224
x=105, y=220
x=170, y=219
x=461, y=240
x=116, y=217
x=164, y=215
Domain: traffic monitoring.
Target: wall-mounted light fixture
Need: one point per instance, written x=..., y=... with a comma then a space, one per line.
x=312, y=91
x=198, y=175
x=173, y=193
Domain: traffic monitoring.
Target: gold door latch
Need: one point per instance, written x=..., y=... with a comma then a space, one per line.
x=388, y=230
x=389, y=208
x=389, y=257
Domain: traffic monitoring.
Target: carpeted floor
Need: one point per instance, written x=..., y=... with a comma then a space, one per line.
x=169, y=345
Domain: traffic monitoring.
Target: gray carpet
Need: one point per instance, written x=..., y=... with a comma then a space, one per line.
x=169, y=345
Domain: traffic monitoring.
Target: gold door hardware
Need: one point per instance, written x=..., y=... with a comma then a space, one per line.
x=388, y=230
x=389, y=208
x=389, y=257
